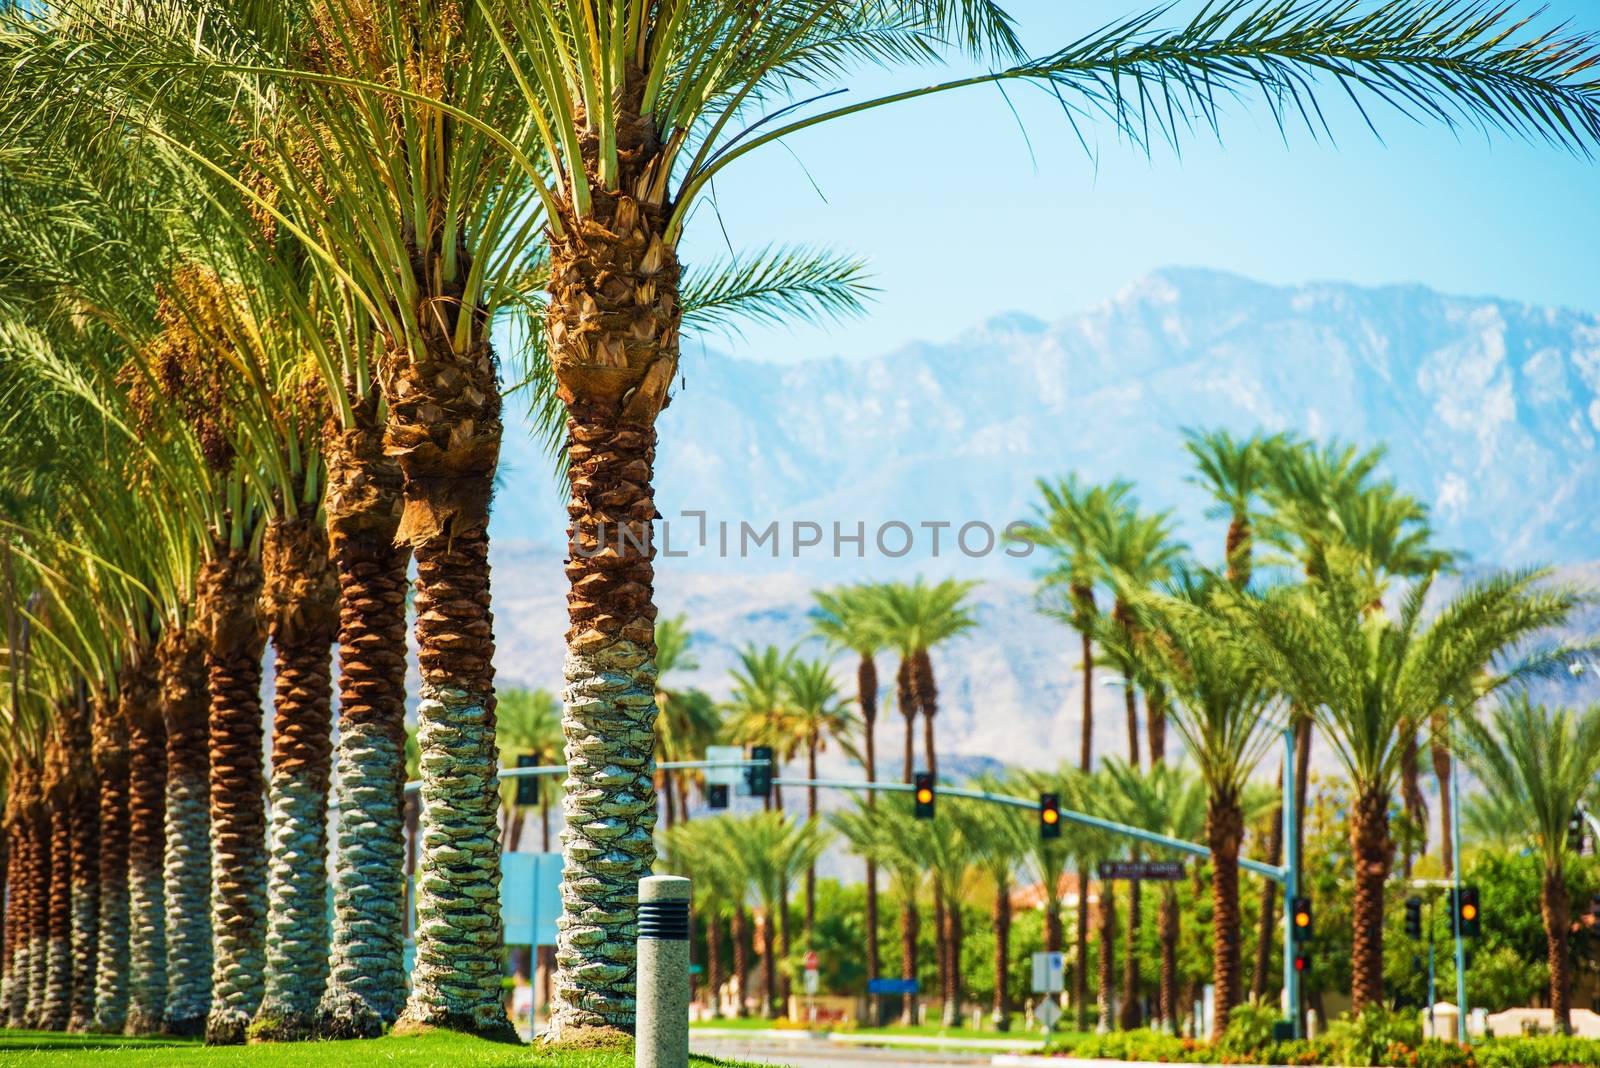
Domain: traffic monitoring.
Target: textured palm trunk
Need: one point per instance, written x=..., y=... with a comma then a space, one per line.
x=185, y=706
x=1416, y=806
x=928, y=698
x=84, y=800
x=1224, y=834
x=1260, y=977
x=110, y=733
x=367, y=971
x=769, y=964
x=366, y=980
x=811, y=813
x=229, y=617
x=1155, y=711
x=1001, y=1010
x=1108, y=955
x=941, y=946
x=12, y=902
x=867, y=701
x=714, y=962
x=57, y=1004
x=1129, y=1018
x=39, y=906
x=905, y=689
x=741, y=961
x=1440, y=755
x=147, y=908
x=444, y=431
x=1130, y=704
x=1083, y=609
x=1080, y=962
x=23, y=866
x=908, y=956
x=612, y=325
x=1237, y=550
x=1372, y=851
x=952, y=965
x=1169, y=961
x=300, y=591
x=787, y=944
x=1303, y=728
x=1557, y=925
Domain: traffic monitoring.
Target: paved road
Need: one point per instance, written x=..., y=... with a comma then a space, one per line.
x=809, y=1053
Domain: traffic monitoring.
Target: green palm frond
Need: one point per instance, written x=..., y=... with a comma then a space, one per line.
x=777, y=285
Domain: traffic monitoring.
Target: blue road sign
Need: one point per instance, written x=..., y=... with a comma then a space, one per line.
x=891, y=986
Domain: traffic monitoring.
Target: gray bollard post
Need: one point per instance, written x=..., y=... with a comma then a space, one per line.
x=661, y=1037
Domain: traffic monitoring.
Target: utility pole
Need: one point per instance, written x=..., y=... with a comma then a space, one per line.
x=1291, y=886
x=1455, y=918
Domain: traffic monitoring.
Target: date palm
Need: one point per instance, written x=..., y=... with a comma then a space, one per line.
x=760, y=712
x=914, y=617
x=1545, y=763
x=772, y=850
x=999, y=835
x=843, y=617
x=1371, y=681
x=819, y=715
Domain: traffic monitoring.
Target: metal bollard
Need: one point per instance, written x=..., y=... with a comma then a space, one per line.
x=662, y=1027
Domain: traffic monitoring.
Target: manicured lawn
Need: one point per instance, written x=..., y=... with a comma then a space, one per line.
x=47, y=1049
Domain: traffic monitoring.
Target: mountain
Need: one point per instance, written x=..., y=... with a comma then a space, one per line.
x=1490, y=410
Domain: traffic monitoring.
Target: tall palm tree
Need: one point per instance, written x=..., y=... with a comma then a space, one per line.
x=1233, y=471
x=999, y=836
x=772, y=849
x=1545, y=763
x=760, y=711
x=181, y=675
x=111, y=769
x=843, y=617
x=819, y=714
x=1222, y=711
x=882, y=834
x=1371, y=681
x=914, y=617
x=700, y=849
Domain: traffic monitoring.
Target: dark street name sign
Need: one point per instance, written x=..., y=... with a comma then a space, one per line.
x=1156, y=870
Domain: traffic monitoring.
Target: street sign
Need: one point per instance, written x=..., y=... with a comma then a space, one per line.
x=530, y=897
x=728, y=754
x=891, y=986
x=811, y=960
x=1048, y=1012
x=1049, y=971
x=811, y=981
x=1167, y=871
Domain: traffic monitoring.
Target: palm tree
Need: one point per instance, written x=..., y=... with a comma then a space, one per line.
x=819, y=714
x=720, y=886
x=772, y=850
x=1222, y=712
x=110, y=752
x=1371, y=681
x=844, y=618
x=181, y=675
x=999, y=835
x=1234, y=472
x=913, y=618
x=882, y=834
x=1545, y=763
x=760, y=711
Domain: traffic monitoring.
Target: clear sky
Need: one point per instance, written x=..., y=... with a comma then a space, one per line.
x=960, y=223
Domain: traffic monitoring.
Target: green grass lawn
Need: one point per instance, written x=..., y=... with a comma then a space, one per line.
x=49, y=1049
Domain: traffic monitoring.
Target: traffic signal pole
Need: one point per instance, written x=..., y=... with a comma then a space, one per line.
x=1291, y=885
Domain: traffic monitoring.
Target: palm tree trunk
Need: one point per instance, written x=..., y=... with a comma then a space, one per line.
x=1129, y=1018
x=1169, y=961
x=1416, y=807
x=1155, y=711
x=1302, y=776
x=366, y=977
x=671, y=808
x=786, y=948
x=867, y=701
x=1002, y=955
x=186, y=706
x=110, y=729
x=1083, y=601
x=1080, y=965
x=908, y=954
x=12, y=897
x=1130, y=702
x=941, y=945
x=952, y=939
x=1108, y=953
x=928, y=699
x=1224, y=834
x=769, y=962
x=300, y=590
x=906, y=698
x=1441, y=771
x=85, y=821
x=714, y=962
x=741, y=961
x=58, y=982
x=147, y=842
x=811, y=813
x=1372, y=851
x=1236, y=550
x=1260, y=977
x=413, y=827
x=612, y=324
x=29, y=785
x=227, y=614
x=1557, y=924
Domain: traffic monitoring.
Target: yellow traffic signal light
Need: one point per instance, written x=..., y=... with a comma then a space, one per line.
x=922, y=793
x=1300, y=915
x=1049, y=815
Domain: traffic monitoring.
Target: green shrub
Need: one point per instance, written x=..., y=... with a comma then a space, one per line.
x=1375, y=1036
x=1437, y=1053
x=1539, y=1051
x=1249, y=1032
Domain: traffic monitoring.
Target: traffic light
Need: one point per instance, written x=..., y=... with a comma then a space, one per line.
x=1302, y=960
x=922, y=794
x=1468, y=915
x=1575, y=831
x=1049, y=815
x=760, y=775
x=717, y=795
x=1414, y=918
x=1301, y=915
x=527, y=785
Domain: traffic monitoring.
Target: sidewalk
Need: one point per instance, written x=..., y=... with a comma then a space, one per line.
x=868, y=1038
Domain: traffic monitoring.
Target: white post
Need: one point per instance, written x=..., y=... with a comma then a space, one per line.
x=662, y=1028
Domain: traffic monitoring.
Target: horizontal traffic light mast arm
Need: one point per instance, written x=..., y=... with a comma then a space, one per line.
x=1195, y=848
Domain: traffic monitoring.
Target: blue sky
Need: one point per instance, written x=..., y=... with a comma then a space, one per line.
x=959, y=223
